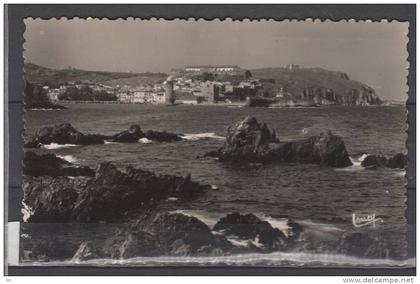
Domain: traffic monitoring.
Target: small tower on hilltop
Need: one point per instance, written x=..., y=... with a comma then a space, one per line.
x=168, y=85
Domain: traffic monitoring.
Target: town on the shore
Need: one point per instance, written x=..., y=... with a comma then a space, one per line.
x=287, y=86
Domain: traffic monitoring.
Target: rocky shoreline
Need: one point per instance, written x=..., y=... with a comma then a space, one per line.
x=60, y=199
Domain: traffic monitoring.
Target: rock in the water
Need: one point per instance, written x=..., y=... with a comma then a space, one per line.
x=326, y=149
x=398, y=161
x=112, y=192
x=133, y=134
x=249, y=141
x=374, y=160
x=378, y=161
x=64, y=133
x=51, y=165
x=162, y=136
x=250, y=227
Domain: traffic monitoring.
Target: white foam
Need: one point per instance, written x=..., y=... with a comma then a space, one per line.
x=53, y=146
x=110, y=142
x=69, y=158
x=357, y=164
x=172, y=199
x=279, y=223
x=145, y=141
x=269, y=259
x=198, y=136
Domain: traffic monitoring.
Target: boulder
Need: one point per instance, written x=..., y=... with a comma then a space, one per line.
x=250, y=227
x=249, y=141
x=326, y=149
x=374, y=160
x=379, y=161
x=133, y=134
x=64, y=133
x=51, y=165
x=398, y=161
x=162, y=136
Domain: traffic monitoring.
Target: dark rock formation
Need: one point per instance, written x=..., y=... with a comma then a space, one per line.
x=250, y=227
x=249, y=141
x=51, y=165
x=48, y=199
x=133, y=134
x=325, y=149
x=112, y=192
x=162, y=136
x=374, y=161
x=64, y=134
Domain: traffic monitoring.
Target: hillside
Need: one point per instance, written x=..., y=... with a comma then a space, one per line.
x=41, y=75
x=323, y=86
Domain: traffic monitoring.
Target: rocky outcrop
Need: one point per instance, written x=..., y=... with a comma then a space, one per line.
x=378, y=161
x=162, y=136
x=249, y=141
x=249, y=227
x=133, y=134
x=326, y=149
x=110, y=194
x=47, y=199
x=63, y=133
x=66, y=134
x=51, y=165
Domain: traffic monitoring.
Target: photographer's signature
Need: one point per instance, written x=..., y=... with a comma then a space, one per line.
x=364, y=220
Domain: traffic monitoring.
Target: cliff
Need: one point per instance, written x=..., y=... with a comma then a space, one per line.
x=314, y=86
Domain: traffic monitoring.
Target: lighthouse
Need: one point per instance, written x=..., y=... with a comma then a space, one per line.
x=168, y=85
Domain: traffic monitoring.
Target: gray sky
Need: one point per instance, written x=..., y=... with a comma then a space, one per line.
x=373, y=53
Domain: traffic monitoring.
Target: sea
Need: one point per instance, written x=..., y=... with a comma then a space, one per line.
x=322, y=199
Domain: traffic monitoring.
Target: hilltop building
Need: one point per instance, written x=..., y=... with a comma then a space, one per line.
x=212, y=69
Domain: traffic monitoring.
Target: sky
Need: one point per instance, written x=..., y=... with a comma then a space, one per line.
x=373, y=53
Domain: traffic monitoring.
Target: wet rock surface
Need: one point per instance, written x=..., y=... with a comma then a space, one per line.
x=51, y=165
x=250, y=141
x=379, y=161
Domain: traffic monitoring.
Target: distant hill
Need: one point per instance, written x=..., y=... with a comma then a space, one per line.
x=318, y=84
x=41, y=75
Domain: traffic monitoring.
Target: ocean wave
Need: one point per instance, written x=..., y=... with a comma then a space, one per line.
x=69, y=158
x=357, y=164
x=145, y=141
x=198, y=136
x=54, y=146
x=274, y=259
x=279, y=223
